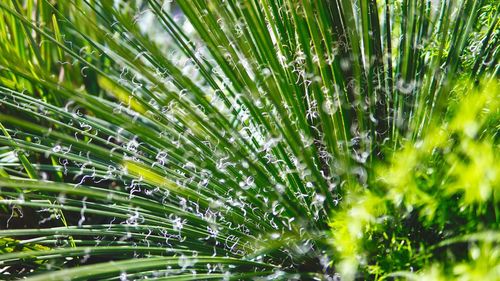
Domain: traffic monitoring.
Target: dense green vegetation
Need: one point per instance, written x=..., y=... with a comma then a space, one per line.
x=249, y=140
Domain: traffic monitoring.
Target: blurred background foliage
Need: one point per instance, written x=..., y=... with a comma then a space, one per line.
x=434, y=205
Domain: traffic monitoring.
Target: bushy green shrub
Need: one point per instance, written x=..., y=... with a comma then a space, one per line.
x=433, y=202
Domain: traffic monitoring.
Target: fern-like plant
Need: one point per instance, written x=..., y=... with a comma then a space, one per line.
x=249, y=140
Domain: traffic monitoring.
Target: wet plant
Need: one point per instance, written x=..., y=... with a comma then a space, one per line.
x=249, y=140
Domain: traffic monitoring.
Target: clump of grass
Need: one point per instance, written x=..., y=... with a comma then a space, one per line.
x=235, y=140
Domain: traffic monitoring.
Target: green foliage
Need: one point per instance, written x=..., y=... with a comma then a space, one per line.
x=259, y=139
x=427, y=197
